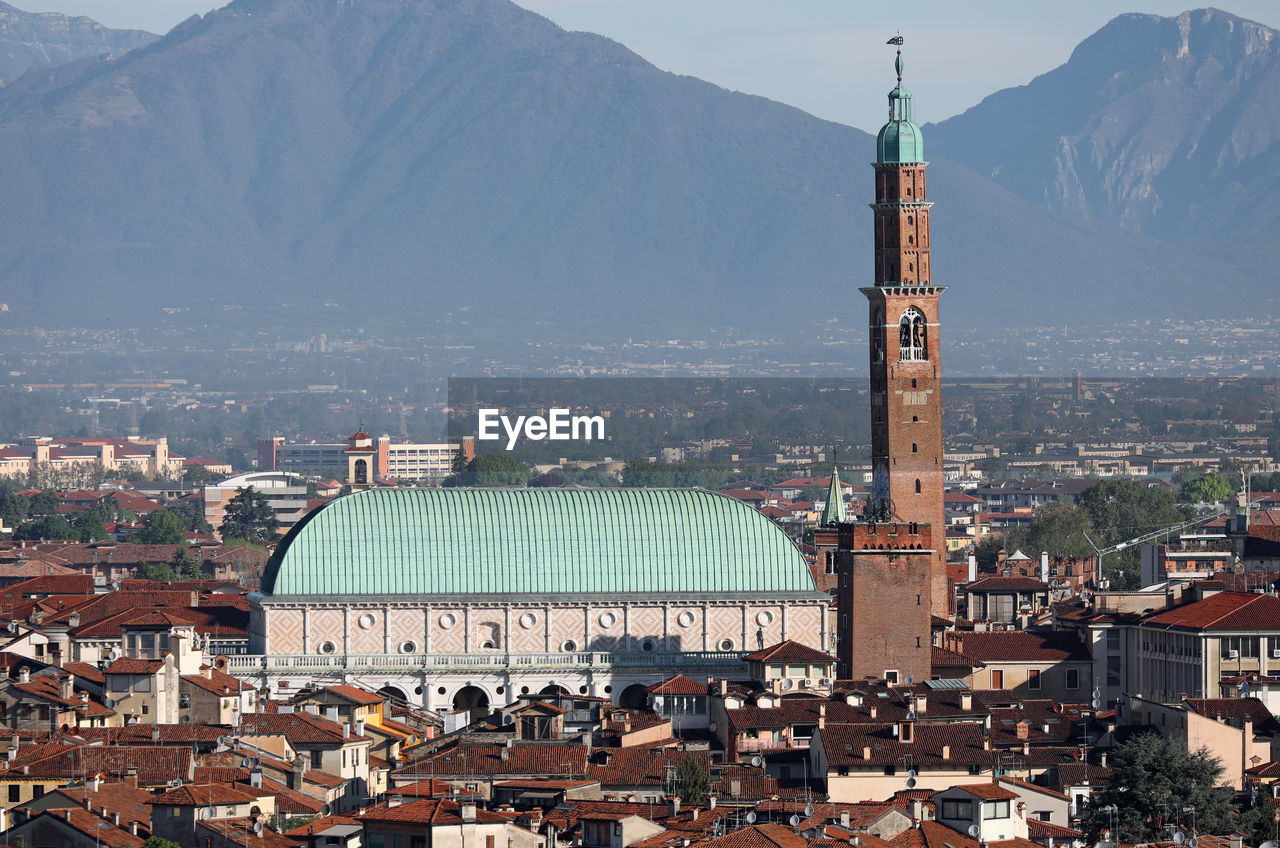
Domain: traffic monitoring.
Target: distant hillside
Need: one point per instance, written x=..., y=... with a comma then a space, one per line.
x=47, y=38
x=403, y=158
x=1165, y=125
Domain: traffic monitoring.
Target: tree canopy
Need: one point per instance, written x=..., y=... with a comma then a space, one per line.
x=1154, y=779
x=162, y=527
x=249, y=517
x=693, y=784
x=1207, y=488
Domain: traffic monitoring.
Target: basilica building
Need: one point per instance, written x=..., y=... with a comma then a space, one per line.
x=470, y=598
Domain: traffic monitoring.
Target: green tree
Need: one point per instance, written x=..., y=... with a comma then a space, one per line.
x=185, y=565
x=1060, y=530
x=45, y=503
x=1207, y=488
x=88, y=526
x=693, y=784
x=1124, y=509
x=496, y=469
x=192, y=514
x=155, y=422
x=159, y=842
x=46, y=527
x=458, y=465
x=249, y=517
x=157, y=571
x=1232, y=470
x=1152, y=777
x=162, y=527
x=198, y=475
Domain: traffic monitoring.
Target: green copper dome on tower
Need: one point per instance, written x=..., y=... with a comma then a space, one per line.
x=900, y=141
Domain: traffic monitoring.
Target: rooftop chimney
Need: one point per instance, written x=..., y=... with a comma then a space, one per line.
x=973, y=568
x=468, y=812
x=1044, y=566
x=844, y=819
x=946, y=752
x=673, y=806
x=131, y=776
x=255, y=778
x=24, y=675
x=115, y=819
x=331, y=713
x=966, y=701
x=346, y=731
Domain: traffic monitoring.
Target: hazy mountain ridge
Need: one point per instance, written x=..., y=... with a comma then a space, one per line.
x=51, y=39
x=404, y=157
x=1165, y=125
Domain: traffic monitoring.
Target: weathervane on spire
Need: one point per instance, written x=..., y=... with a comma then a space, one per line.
x=897, y=41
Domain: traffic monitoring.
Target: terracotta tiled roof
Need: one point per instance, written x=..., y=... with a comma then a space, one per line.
x=848, y=746
x=209, y=794
x=1006, y=584
x=355, y=694
x=132, y=805
x=986, y=791
x=155, y=765
x=1236, y=711
x=153, y=734
x=1223, y=611
x=217, y=683
x=640, y=765
x=132, y=665
x=427, y=811
x=92, y=826
x=1075, y=774
x=85, y=672
x=790, y=651
x=678, y=685
x=240, y=832
x=558, y=760
x=1039, y=830
x=321, y=825
x=1023, y=646
x=759, y=836
x=943, y=658
x=296, y=727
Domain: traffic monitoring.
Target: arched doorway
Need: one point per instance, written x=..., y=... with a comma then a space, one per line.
x=474, y=700
x=634, y=697
x=395, y=693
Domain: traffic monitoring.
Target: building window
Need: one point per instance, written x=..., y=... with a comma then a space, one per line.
x=1033, y=679
x=317, y=759
x=726, y=645
x=327, y=647
x=997, y=678
x=995, y=809
x=15, y=793
x=569, y=646
x=408, y=648
x=917, y=487
x=962, y=810
x=1073, y=678
x=913, y=339
x=362, y=471
x=891, y=675
x=37, y=791
x=1245, y=647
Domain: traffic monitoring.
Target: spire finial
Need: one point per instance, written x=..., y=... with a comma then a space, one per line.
x=897, y=62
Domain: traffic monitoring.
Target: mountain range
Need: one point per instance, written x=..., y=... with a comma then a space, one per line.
x=405, y=158
x=49, y=39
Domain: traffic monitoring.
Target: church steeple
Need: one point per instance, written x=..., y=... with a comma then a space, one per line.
x=833, y=510
x=900, y=141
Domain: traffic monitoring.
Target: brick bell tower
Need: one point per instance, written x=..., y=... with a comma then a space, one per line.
x=906, y=398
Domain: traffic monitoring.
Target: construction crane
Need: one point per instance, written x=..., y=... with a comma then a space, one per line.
x=1216, y=512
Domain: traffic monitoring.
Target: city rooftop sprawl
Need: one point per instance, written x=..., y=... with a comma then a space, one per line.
x=949, y=608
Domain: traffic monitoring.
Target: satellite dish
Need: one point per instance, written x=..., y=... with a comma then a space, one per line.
x=911, y=772
x=974, y=830
x=1194, y=841
x=1179, y=837
x=1269, y=844
x=756, y=761
x=257, y=828
x=13, y=627
x=911, y=783
x=508, y=719
x=909, y=680
x=808, y=809
x=712, y=727
x=325, y=810
x=911, y=715
x=114, y=655
x=1095, y=703
x=795, y=821
x=788, y=684
x=1097, y=693
x=222, y=740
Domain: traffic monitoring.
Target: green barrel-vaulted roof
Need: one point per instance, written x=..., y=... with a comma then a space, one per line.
x=535, y=541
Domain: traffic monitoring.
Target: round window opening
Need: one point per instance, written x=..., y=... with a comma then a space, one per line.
x=366, y=621
x=685, y=619
x=327, y=647
x=501, y=689
x=441, y=690
x=726, y=645
x=647, y=645
x=528, y=620
x=607, y=620
x=448, y=620
x=569, y=646
x=417, y=690
x=409, y=648
x=489, y=646
x=524, y=690
x=764, y=617
x=582, y=690
x=608, y=689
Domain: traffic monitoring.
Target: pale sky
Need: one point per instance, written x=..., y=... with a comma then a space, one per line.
x=824, y=56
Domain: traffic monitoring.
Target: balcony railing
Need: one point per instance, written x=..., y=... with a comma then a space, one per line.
x=496, y=661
